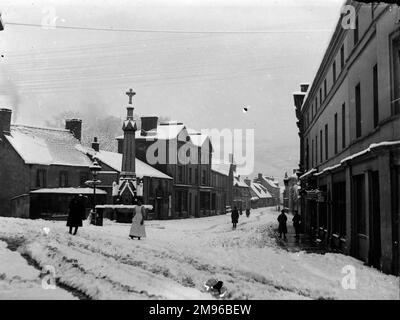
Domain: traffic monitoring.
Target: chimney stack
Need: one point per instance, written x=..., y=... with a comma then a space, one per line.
x=259, y=176
x=231, y=158
x=5, y=120
x=120, y=141
x=95, y=145
x=75, y=127
x=148, y=123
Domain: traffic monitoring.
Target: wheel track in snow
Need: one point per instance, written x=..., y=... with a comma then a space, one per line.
x=200, y=266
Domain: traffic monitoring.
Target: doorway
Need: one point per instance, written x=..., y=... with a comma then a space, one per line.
x=375, y=250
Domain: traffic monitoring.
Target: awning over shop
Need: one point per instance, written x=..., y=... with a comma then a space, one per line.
x=308, y=173
x=67, y=191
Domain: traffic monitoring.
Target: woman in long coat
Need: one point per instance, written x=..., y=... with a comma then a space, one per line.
x=282, y=224
x=137, y=227
x=76, y=213
x=235, y=217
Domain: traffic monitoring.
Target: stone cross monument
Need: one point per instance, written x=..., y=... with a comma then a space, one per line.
x=127, y=181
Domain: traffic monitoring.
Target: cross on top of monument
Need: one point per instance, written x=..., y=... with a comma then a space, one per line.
x=130, y=94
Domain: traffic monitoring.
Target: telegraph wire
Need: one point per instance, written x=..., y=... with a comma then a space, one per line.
x=170, y=31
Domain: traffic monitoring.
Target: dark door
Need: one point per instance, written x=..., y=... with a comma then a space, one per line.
x=395, y=219
x=196, y=205
x=375, y=222
x=359, y=223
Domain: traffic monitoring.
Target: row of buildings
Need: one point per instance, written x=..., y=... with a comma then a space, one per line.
x=42, y=168
x=349, y=128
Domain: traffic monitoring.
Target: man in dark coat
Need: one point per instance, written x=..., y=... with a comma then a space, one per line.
x=76, y=213
x=282, y=224
x=296, y=223
x=235, y=217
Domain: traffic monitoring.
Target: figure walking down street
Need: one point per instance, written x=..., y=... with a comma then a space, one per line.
x=247, y=212
x=296, y=223
x=282, y=224
x=137, y=228
x=76, y=213
x=235, y=216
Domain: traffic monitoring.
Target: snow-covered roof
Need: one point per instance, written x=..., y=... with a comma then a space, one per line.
x=68, y=191
x=222, y=168
x=165, y=131
x=271, y=181
x=114, y=160
x=260, y=190
x=46, y=146
x=239, y=183
x=198, y=139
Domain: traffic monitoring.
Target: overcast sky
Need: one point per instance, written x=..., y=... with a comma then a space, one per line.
x=202, y=79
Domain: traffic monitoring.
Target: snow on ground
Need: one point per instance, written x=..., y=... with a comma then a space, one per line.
x=178, y=256
x=18, y=280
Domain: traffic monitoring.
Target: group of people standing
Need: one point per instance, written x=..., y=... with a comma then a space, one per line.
x=235, y=215
x=77, y=213
x=282, y=219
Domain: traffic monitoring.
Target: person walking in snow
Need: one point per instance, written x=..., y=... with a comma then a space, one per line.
x=76, y=213
x=137, y=227
x=235, y=216
x=296, y=223
x=247, y=212
x=282, y=224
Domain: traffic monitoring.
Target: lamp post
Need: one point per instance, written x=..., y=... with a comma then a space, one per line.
x=94, y=168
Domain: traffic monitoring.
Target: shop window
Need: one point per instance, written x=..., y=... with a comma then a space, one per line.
x=63, y=179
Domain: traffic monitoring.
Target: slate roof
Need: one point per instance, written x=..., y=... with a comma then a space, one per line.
x=46, y=146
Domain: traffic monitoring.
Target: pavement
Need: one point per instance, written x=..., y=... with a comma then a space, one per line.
x=303, y=243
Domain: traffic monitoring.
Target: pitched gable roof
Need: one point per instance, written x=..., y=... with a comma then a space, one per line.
x=272, y=182
x=260, y=190
x=46, y=146
x=239, y=183
x=114, y=160
x=223, y=168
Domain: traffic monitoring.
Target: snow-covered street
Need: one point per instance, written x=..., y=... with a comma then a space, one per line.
x=176, y=259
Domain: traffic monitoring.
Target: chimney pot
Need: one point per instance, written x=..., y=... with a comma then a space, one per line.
x=95, y=145
x=5, y=120
x=304, y=87
x=75, y=127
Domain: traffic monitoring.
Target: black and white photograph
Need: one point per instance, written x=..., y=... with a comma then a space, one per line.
x=199, y=150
